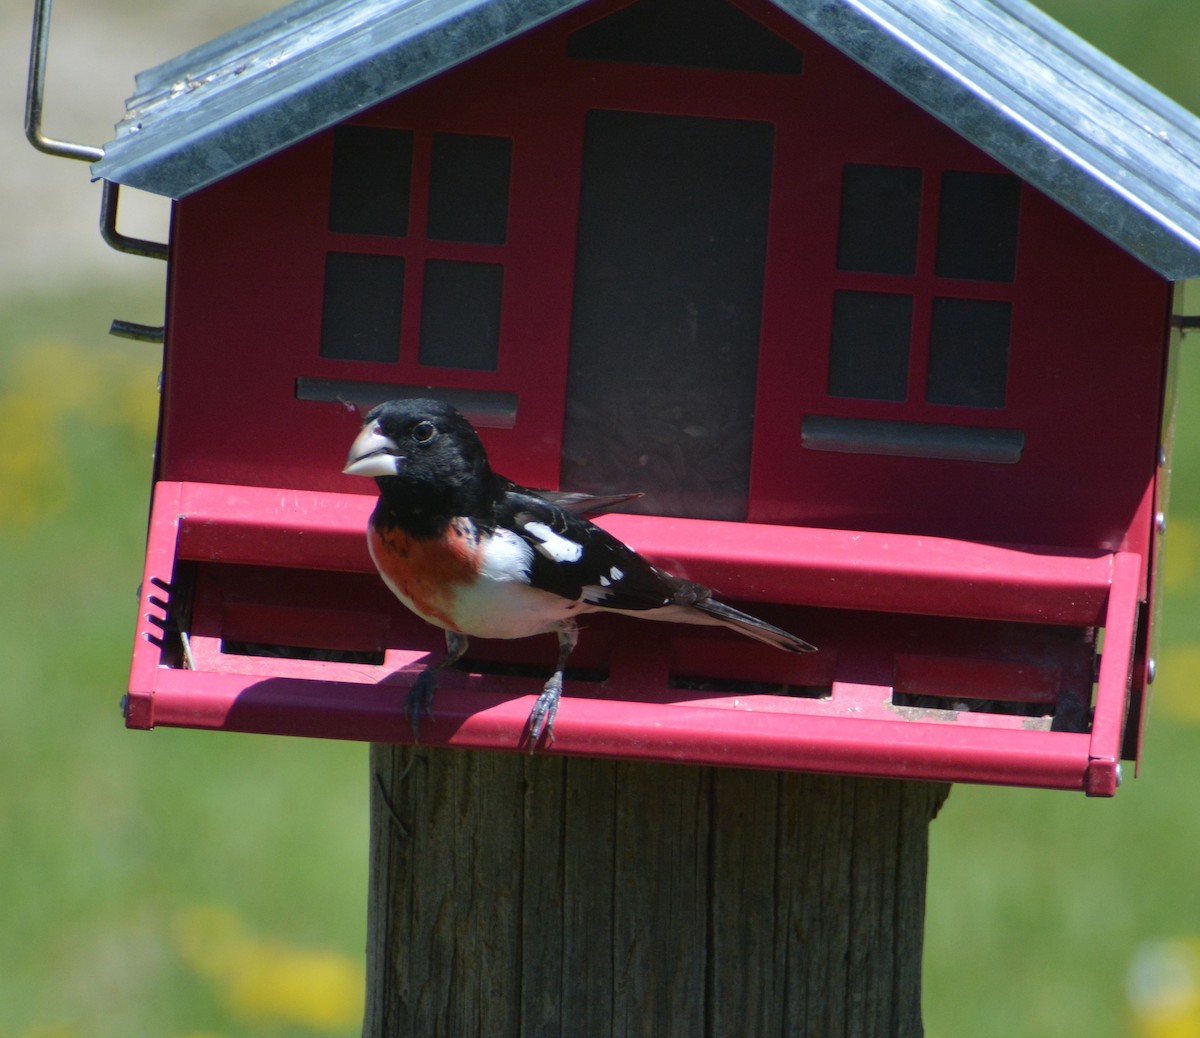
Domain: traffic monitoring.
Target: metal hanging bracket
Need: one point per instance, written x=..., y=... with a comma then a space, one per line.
x=109, y=201
x=35, y=93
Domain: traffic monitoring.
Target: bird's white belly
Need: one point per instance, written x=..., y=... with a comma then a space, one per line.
x=502, y=609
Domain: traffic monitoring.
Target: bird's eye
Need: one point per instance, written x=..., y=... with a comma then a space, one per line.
x=423, y=432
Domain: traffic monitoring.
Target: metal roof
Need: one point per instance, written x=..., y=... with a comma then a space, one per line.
x=1053, y=109
x=228, y=103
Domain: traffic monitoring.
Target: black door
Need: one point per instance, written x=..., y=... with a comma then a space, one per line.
x=667, y=310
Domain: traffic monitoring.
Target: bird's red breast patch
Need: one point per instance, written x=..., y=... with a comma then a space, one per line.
x=428, y=571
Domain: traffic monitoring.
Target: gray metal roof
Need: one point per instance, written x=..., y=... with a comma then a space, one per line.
x=228, y=103
x=1047, y=105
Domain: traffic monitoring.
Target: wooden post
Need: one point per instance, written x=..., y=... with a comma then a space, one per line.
x=535, y=895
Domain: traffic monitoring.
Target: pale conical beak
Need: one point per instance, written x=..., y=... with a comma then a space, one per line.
x=373, y=454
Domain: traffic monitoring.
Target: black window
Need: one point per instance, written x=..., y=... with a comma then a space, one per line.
x=968, y=352
x=977, y=226
x=460, y=314
x=868, y=356
x=879, y=220
x=690, y=33
x=468, y=188
x=461, y=293
x=965, y=332
x=372, y=181
x=364, y=299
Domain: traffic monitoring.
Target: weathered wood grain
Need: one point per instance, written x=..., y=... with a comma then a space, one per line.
x=544, y=896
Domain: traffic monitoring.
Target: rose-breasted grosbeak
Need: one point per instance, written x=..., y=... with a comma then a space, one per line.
x=477, y=555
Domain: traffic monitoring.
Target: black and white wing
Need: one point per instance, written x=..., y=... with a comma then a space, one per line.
x=576, y=559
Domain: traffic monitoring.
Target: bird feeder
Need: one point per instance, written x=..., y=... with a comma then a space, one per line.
x=874, y=306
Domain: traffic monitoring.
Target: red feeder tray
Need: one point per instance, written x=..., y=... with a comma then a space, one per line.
x=940, y=659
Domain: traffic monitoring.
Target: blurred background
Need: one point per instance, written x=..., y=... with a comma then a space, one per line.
x=188, y=885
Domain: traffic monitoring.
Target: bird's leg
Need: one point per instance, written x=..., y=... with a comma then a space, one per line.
x=546, y=708
x=420, y=697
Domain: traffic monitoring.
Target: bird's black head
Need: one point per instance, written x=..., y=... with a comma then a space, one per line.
x=425, y=456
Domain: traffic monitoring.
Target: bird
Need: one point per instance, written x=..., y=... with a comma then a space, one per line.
x=478, y=555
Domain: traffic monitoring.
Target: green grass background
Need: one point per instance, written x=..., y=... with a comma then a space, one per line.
x=146, y=877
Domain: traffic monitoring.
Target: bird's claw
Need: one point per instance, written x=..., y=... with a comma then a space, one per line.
x=545, y=709
x=420, y=700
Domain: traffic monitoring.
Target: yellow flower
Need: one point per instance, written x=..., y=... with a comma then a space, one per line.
x=269, y=980
x=1164, y=989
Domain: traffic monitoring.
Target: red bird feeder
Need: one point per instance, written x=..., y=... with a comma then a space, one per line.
x=881, y=330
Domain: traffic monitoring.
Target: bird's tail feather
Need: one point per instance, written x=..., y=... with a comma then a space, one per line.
x=753, y=627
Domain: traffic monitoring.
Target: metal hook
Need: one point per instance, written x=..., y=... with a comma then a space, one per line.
x=109, y=201
x=36, y=91
x=138, y=332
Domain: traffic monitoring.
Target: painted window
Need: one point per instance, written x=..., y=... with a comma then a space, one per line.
x=923, y=336
x=868, y=356
x=880, y=219
x=372, y=180
x=708, y=34
x=364, y=306
x=449, y=255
